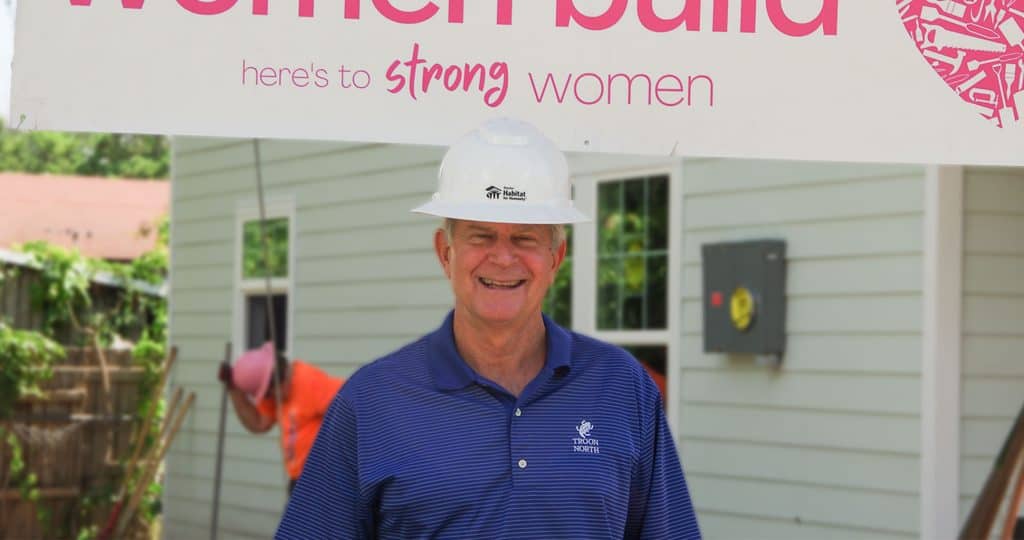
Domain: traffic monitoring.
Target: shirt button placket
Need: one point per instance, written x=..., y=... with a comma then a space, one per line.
x=517, y=450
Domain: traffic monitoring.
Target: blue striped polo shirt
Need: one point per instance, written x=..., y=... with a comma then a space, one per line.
x=418, y=445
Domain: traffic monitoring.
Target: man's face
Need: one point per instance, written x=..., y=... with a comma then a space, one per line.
x=499, y=272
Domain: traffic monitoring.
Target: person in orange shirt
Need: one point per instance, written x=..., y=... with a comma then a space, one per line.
x=306, y=393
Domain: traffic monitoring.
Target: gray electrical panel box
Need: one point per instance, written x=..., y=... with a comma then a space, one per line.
x=745, y=297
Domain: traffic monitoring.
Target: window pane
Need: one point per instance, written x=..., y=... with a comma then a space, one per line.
x=657, y=291
x=558, y=302
x=657, y=213
x=609, y=279
x=257, y=331
x=609, y=218
x=252, y=249
x=632, y=267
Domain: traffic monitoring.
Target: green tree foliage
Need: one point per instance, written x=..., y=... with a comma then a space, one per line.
x=277, y=245
x=85, y=154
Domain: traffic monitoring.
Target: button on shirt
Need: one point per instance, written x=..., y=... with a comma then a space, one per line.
x=417, y=445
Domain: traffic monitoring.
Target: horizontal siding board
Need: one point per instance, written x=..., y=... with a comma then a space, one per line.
x=849, y=392
x=729, y=175
x=261, y=447
x=993, y=356
x=995, y=396
x=220, y=253
x=201, y=324
x=200, y=489
x=203, y=301
x=827, y=353
x=343, y=192
x=206, y=420
x=862, y=509
x=383, y=238
x=286, y=149
x=392, y=266
x=213, y=206
x=865, y=198
x=221, y=228
x=800, y=428
x=232, y=183
x=369, y=323
x=260, y=524
x=343, y=355
x=620, y=165
x=435, y=292
x=229, y=156
x=994, y=274
x=993, y=315
x=865, y=275
x=360, y=161
x=863, y=314
x=730, y=526
x=185, y=147
x=236, y=469
x=172, y=528
x=973, y=473
x=207, y=276
x=368, y=214
x=840, y=238
x=890, y=473
x=983, y=437
x=1000, y=191
x=993, y=234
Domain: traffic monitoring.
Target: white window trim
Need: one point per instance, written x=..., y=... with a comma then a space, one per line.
x=584, y=275
x=248, y=210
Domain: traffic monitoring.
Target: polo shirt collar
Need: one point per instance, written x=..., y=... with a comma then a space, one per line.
x=451, y=372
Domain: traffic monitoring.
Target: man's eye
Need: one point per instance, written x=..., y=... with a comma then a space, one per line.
x=527, y=240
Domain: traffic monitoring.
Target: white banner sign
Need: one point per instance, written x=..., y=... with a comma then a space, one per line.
x=925, y=81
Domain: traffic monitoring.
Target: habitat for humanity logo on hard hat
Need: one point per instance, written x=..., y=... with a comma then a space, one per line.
x=509, y=193
x=522, y=175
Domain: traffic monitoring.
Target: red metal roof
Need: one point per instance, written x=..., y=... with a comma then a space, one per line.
x=102, y=217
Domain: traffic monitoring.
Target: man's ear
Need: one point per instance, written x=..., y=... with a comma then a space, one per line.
x=559, y=256
x=443, y=250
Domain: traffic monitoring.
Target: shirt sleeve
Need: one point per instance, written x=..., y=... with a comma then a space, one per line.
x=660, y=505
x=328, y=391
x=327, y=502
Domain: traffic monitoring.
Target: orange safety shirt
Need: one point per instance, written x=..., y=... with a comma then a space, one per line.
x=309, y=395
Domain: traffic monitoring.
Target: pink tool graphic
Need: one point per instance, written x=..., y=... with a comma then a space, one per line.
x=977, y=48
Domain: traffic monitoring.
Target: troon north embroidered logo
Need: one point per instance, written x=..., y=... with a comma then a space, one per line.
x=585, y=444
x=493, y=192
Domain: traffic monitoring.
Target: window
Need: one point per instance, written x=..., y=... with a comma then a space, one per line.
x=625, y=267
x=252, y=327
x=632, y=254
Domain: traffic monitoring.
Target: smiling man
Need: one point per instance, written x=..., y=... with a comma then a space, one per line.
x=500, y=424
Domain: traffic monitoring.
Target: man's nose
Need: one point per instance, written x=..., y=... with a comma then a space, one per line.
x=503, y=252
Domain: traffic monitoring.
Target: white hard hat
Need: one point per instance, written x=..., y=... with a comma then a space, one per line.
x=505, y=171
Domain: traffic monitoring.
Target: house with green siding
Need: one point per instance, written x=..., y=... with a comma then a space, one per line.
x=904, y=320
